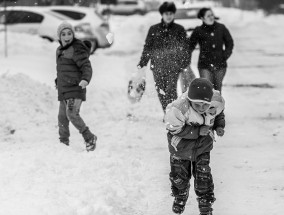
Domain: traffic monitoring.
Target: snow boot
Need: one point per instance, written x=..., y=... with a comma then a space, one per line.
x=179, y=205
x=206, y=213
x=91, y=143
x=205, y=206
x=180, y=200
x=65, y=142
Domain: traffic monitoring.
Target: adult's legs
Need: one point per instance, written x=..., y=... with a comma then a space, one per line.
x=186, y=77
x=214, y=76
x=166, y=87
x=218, y=76
x=206, y=73
x=171, y=88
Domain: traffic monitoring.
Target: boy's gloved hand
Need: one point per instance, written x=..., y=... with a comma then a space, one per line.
x=220, y=131
x=83, y=84
x=204, y=130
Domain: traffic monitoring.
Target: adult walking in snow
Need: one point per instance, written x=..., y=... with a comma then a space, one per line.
x=191, y=121
x=74, y=73
x=216, y=46
x=165, y=47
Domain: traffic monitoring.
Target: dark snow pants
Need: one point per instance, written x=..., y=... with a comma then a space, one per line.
x=216, y=76
x=69, y=111
x=166, y=86
x=180, y=175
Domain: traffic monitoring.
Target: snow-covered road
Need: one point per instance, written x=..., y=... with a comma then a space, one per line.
x=128, y=173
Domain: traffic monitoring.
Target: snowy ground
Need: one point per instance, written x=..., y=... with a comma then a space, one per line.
x=128, y=173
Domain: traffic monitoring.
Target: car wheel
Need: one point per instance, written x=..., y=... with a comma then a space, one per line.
x=106, y=12
x=94, y=46
x=140, y=12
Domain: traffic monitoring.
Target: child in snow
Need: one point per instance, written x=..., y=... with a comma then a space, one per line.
x=191, y=121
x=74, y=73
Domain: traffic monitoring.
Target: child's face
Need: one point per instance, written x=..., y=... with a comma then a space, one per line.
x=200, y=107
x=66, y=36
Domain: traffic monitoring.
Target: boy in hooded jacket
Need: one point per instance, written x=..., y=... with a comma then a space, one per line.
x=74, y=73
x=191, y=121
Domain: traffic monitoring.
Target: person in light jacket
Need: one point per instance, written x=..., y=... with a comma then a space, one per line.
x=191, y=121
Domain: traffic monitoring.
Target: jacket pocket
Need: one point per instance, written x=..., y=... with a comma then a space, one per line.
x=224, y=55
x=206, y=140
x=70, y=81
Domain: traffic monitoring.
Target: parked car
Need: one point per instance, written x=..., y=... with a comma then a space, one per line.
x=89, y=24
x=45, y=20
x=124, y=7
x=32, y=20
x=278, y=9
x=187, y=17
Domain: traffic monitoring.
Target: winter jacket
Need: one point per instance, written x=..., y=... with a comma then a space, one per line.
x=73, y=65
x=165, y=46
x=183, y=124
x=212, y=39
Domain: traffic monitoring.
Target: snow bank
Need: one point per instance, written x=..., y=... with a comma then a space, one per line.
x=27, y=104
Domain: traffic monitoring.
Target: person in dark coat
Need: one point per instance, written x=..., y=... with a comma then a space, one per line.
x=216, y=46
x=191, y=121
x=74, y=73
x=165, y=47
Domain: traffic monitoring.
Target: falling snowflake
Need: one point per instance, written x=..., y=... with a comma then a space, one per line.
x=162, y=92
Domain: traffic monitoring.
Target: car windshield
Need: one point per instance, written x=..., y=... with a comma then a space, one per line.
x=186, y=13
x=57, y=15
x=127, y=2
x=71, y=14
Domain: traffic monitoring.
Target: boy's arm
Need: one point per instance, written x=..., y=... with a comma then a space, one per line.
x=219, y=124
x=175, y=124
x=219, y=103
x=219, y=121
x=81, y=58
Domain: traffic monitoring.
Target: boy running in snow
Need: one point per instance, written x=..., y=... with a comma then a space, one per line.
x=74, y=73
x=191, y=121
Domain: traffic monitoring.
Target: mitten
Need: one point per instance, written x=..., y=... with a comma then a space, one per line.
x=220, y=131
x=83, y=84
